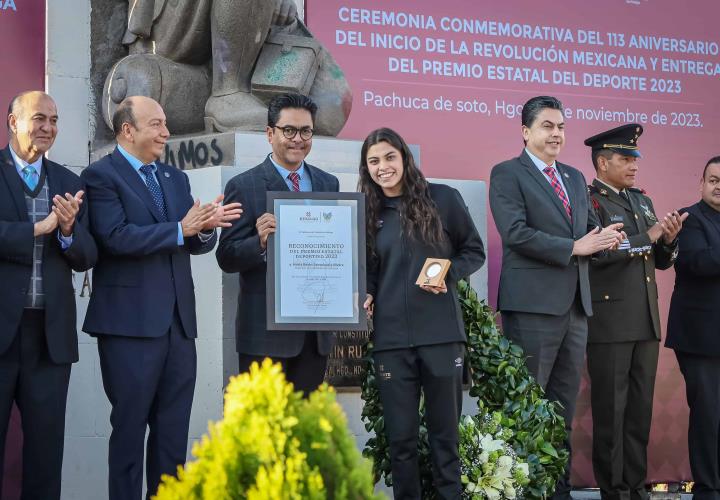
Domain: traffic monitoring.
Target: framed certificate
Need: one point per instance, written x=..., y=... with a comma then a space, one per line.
x=316, y=262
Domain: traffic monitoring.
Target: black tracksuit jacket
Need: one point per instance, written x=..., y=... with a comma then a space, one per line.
x=405, y=316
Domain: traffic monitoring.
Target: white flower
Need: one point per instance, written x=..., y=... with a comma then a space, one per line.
x=509, y=492
x=491, y=493
x=524, y=468
x=489, y=444
x=484, y=457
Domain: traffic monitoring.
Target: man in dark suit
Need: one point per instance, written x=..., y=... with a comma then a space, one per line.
x=142, y=309
x=242, y=247
x=624, y=330
x=694, y=330
x=548, y=232
x=44, y=235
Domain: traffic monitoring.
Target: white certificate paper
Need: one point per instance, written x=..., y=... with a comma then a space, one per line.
x=316, y=274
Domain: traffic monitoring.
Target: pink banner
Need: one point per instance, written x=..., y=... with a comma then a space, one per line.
x=452, y=76
x=22, y=66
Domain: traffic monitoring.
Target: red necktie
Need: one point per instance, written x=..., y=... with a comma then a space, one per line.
x=555, y=183
x=295, y=179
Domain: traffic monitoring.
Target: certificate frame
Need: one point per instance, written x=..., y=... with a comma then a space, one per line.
x=307, y=286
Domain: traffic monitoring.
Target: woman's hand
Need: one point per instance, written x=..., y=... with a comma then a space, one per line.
x=442, y=288
x=369, y=306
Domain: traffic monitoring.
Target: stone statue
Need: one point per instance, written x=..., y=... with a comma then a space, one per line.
x=214, y=64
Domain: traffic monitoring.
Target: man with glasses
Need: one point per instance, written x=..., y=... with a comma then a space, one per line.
x=243, y=246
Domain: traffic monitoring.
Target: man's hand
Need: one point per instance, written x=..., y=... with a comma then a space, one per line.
x=285, y=12
x=672, y=224
x=223, y=214
x=369, y=306
x=442, y=288
x=598, y=240
x=46, y=226
x=266, y=225
x=655, y=232
x=196, y=218
x=66, y=210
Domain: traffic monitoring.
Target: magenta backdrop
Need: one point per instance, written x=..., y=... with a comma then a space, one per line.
x=22, y=66
x=681, y=102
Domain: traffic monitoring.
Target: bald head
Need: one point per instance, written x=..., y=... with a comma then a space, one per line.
x=32, y=124
x=140, y=128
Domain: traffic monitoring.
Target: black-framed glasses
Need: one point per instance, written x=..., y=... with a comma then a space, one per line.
x=289, y=132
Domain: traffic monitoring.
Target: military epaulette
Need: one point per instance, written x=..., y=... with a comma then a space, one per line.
x=637, y=190
x=592, y=189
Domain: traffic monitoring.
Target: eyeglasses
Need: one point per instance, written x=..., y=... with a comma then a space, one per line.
x=289, y=132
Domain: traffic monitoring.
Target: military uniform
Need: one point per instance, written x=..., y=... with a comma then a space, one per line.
x=624, y=334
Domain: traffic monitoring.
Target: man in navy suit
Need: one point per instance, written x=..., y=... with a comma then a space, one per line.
x=242, y=247
x=142, y=309
x=694, y=330
x=43, y=239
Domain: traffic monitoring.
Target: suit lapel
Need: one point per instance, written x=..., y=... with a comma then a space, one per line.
x=52, y=177
x=14, y=183
x=132, y=178
x=544, y=185
x=273, y=179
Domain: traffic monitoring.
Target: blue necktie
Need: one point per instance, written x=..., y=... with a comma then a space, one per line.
x=155, y=191
x=30, y=176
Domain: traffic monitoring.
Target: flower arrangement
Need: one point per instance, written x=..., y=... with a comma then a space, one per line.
x=490, y=467
x=274, y=445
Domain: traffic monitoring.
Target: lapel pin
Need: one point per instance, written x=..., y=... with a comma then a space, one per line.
x=167, y=175
x=566, y=175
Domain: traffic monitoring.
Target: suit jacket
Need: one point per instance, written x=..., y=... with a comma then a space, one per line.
x=622, y=282
x=539, y=273
x=16, y=260
x=694, y=320
x=141, y=271
x=239, y=252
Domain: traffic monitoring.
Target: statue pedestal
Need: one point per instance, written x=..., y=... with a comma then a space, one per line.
x=88, y=413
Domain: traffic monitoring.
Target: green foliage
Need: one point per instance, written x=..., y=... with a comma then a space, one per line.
x=504, y=388
x=274, y=445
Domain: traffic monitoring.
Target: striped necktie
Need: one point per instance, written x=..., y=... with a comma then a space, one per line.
x=295, y=179
x=555, y=183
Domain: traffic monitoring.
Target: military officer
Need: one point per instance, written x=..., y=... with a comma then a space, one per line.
x=624, y=331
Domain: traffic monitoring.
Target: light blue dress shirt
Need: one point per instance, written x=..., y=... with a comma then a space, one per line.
x=541, y=165
x=305, y=182
x=20, y=164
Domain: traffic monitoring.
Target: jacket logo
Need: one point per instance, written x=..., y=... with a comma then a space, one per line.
x=458, y=362
x=616, y=218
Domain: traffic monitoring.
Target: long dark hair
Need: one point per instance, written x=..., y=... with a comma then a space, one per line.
x=418, y=212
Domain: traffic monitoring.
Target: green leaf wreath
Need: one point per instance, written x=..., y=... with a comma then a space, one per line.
x=506, y=392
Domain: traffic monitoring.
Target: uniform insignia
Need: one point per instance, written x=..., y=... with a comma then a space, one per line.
x=566, y=175
x=595, y=203
x=616, y=218
x=648, y=213
x=603, y=192
x=379, y=224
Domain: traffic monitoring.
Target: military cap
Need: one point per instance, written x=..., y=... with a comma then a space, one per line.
x=622, y=140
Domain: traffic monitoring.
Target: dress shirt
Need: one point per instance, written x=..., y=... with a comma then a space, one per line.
x=541, y=165
x=305, y=182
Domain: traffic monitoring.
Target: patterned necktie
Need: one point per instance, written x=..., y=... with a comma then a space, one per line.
x=295, y=179
x=155, y=192
x=30, y=176
x=555, y=183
